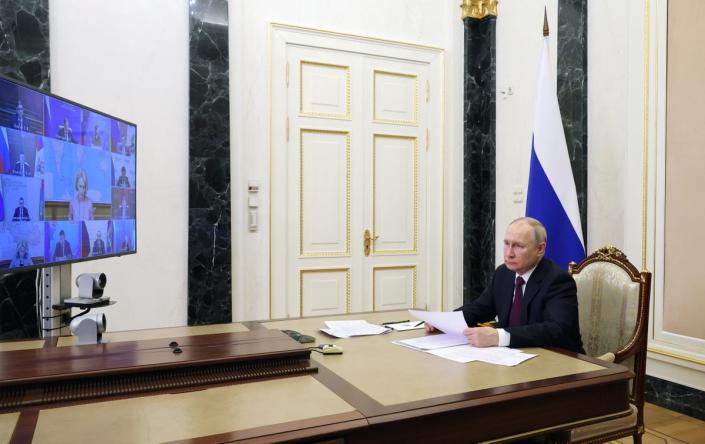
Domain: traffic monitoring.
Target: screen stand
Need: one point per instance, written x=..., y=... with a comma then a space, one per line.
x=56, y=287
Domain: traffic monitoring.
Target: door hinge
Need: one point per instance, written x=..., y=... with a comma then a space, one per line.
x=287, y=74
x=428, y=91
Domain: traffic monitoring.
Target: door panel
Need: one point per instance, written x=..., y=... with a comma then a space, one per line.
x=396, y=97
x=324, y=291
x=324, y=183
x=394, y=287
x=395, y=196
x=325, y=89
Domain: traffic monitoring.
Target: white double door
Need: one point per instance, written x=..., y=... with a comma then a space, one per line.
x=355, y=209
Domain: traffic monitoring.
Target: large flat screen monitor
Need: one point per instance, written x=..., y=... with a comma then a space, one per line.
x=67, y=180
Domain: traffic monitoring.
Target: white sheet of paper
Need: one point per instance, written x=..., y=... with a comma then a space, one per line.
x=345, y=329
x=491, y=355
x=451, y=322
x=432, y=342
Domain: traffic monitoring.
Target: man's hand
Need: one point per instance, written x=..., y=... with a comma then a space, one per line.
x=428, y=327
x=482, y=336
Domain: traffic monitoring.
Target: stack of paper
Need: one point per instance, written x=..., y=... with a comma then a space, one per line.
x=491, y=355
x=345, y=329
x=454, y=346
x=432, y=342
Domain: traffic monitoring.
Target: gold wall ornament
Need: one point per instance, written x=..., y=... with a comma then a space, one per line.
x=479, y=9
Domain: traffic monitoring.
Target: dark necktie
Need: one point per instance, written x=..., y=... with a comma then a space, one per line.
x=515, y=314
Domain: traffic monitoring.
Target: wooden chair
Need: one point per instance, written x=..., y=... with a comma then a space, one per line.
x=613, y=303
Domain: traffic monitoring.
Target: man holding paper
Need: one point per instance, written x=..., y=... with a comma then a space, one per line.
x=534, y=300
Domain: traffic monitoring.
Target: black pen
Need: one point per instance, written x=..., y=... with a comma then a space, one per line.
x=395, y=322
x=418, y=324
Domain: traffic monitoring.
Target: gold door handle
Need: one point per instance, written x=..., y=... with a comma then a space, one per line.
x=368, y=241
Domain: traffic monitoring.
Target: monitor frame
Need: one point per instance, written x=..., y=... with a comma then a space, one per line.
x=4, y=271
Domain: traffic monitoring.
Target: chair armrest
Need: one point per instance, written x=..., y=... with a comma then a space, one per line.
x=609, y=357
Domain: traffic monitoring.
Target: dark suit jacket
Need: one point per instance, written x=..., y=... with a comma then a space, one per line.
x=549, y=308
x=20, y=214
x=62, y=251
x=98, y=246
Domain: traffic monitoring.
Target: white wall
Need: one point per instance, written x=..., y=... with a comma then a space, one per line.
x=430, y=22
x=129, y=58
x=519, y=40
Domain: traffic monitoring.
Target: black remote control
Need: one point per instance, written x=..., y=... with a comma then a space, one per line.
x=296, y=336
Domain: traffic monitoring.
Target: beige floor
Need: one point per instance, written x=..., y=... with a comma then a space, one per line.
x=665, y=426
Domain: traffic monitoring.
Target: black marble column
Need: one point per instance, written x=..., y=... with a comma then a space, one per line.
x=24, y=41
x=209, y=259
x=479, y=155
x=572, y=92
x=676, y=397
x=24, y=55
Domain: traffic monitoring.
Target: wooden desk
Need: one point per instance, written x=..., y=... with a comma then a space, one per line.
x=375, y=392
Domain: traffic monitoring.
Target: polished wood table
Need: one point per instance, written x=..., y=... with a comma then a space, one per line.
x=374, y=392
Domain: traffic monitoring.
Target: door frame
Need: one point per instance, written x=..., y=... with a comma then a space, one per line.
x=282, y=35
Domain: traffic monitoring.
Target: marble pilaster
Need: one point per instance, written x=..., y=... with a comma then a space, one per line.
x=209, y=261
x=572, y=92
x=24, y=55
x=479, y=122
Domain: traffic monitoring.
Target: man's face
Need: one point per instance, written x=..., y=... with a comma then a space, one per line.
x=521, y=252
x=21, y=202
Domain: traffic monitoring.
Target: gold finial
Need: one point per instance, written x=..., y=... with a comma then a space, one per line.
x=479, y=9
x=545, y=22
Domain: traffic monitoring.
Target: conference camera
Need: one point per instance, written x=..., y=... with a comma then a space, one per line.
x=89, y=328
x=91, y=285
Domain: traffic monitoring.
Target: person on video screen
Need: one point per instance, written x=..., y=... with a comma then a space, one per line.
x=125, y=245
x=97, y=140
x=123, y=181
x=21, y=167
x=19, y=122
x=21, y=258
x=65, y=132
x=81, y=206
x=62, y=249
x=98, y=245
x=21, y=213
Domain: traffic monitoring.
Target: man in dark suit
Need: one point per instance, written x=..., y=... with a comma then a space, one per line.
x=20, y=214
x=65, y=132
x=21, y=167
x=534, y=300
x=62, y=249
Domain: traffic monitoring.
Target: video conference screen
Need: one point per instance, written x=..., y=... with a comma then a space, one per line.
x=67, y=180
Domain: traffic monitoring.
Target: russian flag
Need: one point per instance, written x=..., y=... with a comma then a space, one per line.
x=4, y=152
x=551, y=196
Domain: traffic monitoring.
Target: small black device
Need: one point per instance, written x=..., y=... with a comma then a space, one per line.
x=296, y=336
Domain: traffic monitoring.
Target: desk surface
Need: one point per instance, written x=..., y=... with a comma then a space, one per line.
x=235, y=408
x=392, y=374
x=21, y=345
x=375, y=388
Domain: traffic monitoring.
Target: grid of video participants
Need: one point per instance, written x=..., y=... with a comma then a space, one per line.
x=67, y=180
